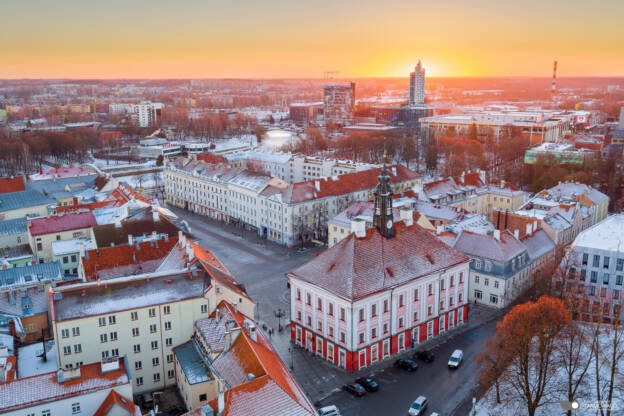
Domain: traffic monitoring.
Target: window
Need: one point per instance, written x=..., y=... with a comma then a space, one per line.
x=135, y=332
x=154, y=345
x=361, y=337
x=46, y=412
x=583, y=274
x=309, y=320
x=112, y=320
x=441, y=304
x=605, y=264
x=361, y=313
x=342, y=337
x=167, y=325
x=451, y=281
x=477, y=264
x=153, y=328
x=442, y=284
x=618, y=280
x=102, y=321
x=65, y=333
x=113, y=336
x=459, y=298
x=486, y=281
x=415, y=316
x=331, y=309
x=65, y=260
x=605, y=278
x=155, y=361
x=138, y=365
x=139, y=381
x=385, y=306
x=373, y=310
x=171, y=374
x=319, y=326
x=401, y=301
x=156, y=377
x=415, y=295
x=67, y=350
x=488, y=266
x=585, y=258
x=494, y=299
x=168, y=342
x=308, y=299
x=478, y=294
x=134, y=316
x=596, y=260
x=374, y=333
x=152, y=312
x=103, y=338
x=331, y=331
x=476, y=279
x=461, y=278
x=204, y=308
x=400, y=322
x=319, y=304
x=619, y=265
x=115, y=352
x=169, y=358
x=137, y=348
x=298, y=294
x=495, y=284
x=429, y=289
x=594, y=277
x=77, y=348
x=167, y=310
x=105, y=354
x=75, y=331
x=429, y=310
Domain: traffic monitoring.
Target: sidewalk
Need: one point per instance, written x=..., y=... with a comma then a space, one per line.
x=319, y=378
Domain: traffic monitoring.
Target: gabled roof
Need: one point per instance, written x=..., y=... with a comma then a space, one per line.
x=489, y=247
x=14, y=226
x=12, y=184
x=538, y=244
x=343, y=184
x=60, y=223
x=357, y=267
x=23, y=199
x=45, y=388
x=125, y=193
x=108, y=234
x=113, y=399
x=211, y=158
x=123, y=260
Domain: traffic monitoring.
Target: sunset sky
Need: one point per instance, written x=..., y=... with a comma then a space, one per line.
x=295, y=38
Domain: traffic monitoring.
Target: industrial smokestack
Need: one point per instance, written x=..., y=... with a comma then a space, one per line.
x=554, y=83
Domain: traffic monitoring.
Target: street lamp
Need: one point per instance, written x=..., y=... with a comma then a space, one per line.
x=279, y=314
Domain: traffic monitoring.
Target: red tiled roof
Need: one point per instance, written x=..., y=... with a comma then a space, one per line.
x=113, y=399
x=59, y=223
x=503, y=220
x=44, y=388
x=211, y=158
x=83, y=207
x=343, y=184
x=104, y=258
x=11, y=369
x=63, y=172
x=12, y=184
x=207, y=256
x=124, y=193
x=469, y=179
x=357, y=267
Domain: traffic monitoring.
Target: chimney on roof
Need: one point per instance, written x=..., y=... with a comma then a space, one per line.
x=358, y=227
x=393, y=169
x=503, y=183
x=181, y=238
x=482, y=175
x=529, y=229
x=117, y=223
x=220, y=400
x=253, y=332
x=517, y=234
x=462, y=176
x=317, y=185
x=439, y=229
x=190, y=253
x=155, y=215
x=154, y=235
x=234, y=306
x=82, y=249
x=407, y=216
x=497, y=234
x=535, y=225
x=129, y=239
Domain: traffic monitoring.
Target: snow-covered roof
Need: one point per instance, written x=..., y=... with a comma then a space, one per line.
x=60, y=248
x=605, y=235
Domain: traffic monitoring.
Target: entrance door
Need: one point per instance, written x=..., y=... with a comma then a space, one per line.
x=342, y=358
x=374, y=353
x=362, y=358
x=309, y=343
x=416, y=335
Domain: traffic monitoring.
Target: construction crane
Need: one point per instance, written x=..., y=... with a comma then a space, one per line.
x=329, y=74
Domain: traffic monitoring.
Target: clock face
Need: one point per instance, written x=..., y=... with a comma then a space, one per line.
x=389, y=224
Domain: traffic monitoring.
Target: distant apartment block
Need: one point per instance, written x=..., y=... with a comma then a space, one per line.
x=338, y=104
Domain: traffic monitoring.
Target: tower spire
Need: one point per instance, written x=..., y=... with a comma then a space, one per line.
x=382, y=218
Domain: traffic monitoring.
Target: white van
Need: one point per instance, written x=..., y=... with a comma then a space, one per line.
x=456, y=359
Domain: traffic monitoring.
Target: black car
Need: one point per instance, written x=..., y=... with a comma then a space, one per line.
x=409, y=365
x=355, y=389
x=424, y=355
x=368, y=383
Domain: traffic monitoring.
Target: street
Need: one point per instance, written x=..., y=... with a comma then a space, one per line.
x=260, y=266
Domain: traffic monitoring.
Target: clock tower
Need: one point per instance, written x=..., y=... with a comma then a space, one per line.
x=382, y=218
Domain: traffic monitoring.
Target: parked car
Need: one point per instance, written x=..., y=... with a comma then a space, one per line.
x=419, y=406
x=456, y=359
x=424, y=355
x=368, y=383
x=407, y=364
x=355, y=389
x=331, y=410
